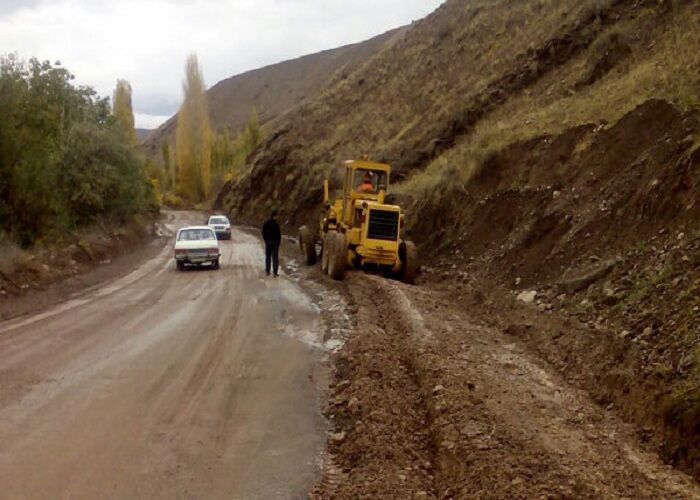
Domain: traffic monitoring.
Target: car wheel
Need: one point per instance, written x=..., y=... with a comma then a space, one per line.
x=216, y=264
x=180, y=265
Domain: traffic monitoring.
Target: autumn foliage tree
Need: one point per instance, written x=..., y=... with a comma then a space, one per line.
x=168, y=165
x=229, y=155
x=123, y=110
x=193, y=139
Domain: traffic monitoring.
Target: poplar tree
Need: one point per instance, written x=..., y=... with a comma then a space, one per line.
x=193, y=136
x=167, y=165
x=123, y=110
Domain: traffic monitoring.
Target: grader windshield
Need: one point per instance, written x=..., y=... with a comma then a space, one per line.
x=369, y=181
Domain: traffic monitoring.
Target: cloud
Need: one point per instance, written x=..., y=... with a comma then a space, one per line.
x=149, y=122
x=8, y=7
x=147, y=41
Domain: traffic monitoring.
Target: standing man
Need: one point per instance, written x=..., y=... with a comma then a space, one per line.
x=273, y=237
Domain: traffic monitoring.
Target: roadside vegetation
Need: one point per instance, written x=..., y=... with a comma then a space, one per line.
x=67, y=159
x=196, y=166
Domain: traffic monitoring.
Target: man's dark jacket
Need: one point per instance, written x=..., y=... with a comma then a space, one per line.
x=271, y=232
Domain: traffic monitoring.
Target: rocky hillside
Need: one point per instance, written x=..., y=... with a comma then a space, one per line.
x=276, y=89
x=557, y=142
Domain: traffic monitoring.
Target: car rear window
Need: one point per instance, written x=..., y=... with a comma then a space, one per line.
x=196, y=234
x=218, y=220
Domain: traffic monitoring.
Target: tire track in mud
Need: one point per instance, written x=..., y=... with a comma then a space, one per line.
x=382, y=447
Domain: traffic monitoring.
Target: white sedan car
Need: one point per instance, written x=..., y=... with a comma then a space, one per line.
x=195, y=246
x=221, y=226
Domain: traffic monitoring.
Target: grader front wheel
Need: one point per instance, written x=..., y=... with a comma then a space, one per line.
x=307, y=244
x=409, y=262
x=337, y=255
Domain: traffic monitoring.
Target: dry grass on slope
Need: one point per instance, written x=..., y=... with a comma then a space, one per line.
x=664, y=63
x=436, y=66
x=409, y=93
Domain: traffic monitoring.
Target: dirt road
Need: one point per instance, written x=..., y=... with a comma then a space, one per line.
x=165, y=384
x=206, y=384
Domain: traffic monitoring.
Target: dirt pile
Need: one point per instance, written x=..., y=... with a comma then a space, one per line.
x=602, y=223
x=427, y=404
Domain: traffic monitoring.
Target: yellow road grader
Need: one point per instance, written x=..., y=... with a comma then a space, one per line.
x=359, y=230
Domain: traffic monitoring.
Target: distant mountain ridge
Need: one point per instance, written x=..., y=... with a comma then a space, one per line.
x=276, y=89
x=143, y=133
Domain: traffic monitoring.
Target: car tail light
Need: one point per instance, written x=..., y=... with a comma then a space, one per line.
x=214, y=252
x=180, y=252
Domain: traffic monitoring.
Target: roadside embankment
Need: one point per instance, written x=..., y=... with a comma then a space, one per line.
x=597, y=228
x=45, y=274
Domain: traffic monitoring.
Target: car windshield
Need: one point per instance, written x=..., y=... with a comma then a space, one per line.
x=218, y=220
x=196, y=235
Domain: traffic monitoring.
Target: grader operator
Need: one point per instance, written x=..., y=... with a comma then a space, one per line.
x=359, y=229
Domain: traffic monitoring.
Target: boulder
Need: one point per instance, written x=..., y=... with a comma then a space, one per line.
x=528, y=297
x=582, y=279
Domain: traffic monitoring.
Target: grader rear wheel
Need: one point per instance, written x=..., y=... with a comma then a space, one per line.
x=325, y=251
x=409, y=262
x=337, y=255
x=307, y=244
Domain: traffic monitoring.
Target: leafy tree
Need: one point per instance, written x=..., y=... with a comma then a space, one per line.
x=64, y=159
x=193, y=136
x=123, y=110
x=101, y=174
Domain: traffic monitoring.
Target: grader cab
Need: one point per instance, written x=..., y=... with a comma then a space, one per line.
x=359, y=230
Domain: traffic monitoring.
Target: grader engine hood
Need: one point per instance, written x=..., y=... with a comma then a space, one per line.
x=378, y=232
x=383, y=222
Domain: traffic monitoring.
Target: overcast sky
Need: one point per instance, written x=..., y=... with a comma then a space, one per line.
x=147, y=41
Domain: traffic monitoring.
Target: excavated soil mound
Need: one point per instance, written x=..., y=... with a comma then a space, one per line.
x=426, y=403
x=603, y=223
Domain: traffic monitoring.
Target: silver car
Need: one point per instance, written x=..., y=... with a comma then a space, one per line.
x=221, y=226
